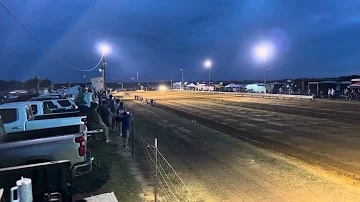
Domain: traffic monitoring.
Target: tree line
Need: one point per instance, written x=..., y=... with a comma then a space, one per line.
x=26, y=85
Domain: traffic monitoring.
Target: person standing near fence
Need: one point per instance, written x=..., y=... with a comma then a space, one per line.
x=82, y=101
x=119, y=113
x=333, y=93
x=125, y=128
x=94, y=121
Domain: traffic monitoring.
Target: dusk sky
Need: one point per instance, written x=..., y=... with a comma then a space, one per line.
x=312, y=38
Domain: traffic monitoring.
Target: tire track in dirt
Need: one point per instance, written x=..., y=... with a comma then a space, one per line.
x=213, y=110
x=224, y=168
x=339, y=168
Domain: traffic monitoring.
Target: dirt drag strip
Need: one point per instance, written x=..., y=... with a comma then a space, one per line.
x=301, y=129
x=219, y=167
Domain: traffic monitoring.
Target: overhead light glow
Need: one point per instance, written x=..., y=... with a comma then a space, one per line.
x=263, y=51
x=104, y=49
x=207, y=63
x=163, y=88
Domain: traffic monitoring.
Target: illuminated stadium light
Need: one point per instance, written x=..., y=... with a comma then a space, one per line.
x=208, y=63
x=104, y=49
x=163, y=88
x=263, y=51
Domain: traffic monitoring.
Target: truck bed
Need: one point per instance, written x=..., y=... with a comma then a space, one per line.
x=41, y=133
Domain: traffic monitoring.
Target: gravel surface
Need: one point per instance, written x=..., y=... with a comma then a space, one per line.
x=220, y=167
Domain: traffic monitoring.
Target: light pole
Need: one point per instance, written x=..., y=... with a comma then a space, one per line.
x=105, y=49
x=263, y=52
x=208, y=65
x=182, y=79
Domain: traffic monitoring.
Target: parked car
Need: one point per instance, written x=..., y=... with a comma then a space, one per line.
x=43, y=145
x=20, y=118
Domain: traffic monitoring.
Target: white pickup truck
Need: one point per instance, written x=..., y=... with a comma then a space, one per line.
x=54, y=106
x=51, y=144
x=20, y=118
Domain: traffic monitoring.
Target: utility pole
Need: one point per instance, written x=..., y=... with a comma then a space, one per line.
x=209, y=79
x=104, y=74
x=182, y=79
x=137, y=80
x=265, y=76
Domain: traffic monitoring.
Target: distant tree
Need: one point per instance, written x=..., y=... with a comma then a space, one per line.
x=29, y=84
x=45, y=83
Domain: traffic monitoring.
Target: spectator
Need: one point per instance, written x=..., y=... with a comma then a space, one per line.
x=125, y=128
x=94, y=121
x=90, y=97
x=119, y=113
x=333, y=93
x=346, y=93
x=82, y=101
x=329, y=93
x=105, y=114
x=114, y=114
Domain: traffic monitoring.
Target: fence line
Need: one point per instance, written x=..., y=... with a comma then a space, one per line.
x=151, y=168
x=171, y=186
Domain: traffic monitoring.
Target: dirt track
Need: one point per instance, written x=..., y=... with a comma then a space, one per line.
x=220, y=167
x=321, y=133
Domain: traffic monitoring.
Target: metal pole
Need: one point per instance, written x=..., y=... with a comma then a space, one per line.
x=132, y=137
x=182, y=79
x=137, y=79
x=156, y=162
x=209, y=78
x=104, y=74
x=265, y=76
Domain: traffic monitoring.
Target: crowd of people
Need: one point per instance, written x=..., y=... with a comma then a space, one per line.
x=104, y=112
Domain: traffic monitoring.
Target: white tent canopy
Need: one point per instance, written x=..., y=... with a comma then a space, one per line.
x=192, y=85
x=73, y=90
x=355, y=85
x=232, y=85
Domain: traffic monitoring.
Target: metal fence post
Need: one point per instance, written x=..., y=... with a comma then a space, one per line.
x=156, y=162
x=132, y=137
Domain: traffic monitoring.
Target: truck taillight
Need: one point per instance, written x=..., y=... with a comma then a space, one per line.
x=82, y=147
x=83, y=120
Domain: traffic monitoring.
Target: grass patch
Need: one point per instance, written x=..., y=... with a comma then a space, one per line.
x=113, y=175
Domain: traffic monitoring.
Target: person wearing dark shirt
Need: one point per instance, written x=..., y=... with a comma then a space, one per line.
x=105, y=114
x=94, y=121
x=125, y=128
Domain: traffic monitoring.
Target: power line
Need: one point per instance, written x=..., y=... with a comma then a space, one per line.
x=45, y=47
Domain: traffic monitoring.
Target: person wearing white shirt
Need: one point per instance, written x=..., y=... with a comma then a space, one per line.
x=90, y=97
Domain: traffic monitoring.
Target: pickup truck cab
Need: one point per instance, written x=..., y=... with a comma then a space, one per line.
x=43, y=145
x=54, y=106
x=20, y=118
x=56, y=103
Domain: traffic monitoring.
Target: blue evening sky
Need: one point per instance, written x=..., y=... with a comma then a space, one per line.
x=312, y=38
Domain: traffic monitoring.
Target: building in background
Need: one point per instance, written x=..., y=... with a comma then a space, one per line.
x=98, y=83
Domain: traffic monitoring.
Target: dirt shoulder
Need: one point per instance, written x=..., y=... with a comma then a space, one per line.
x=113, y=173
x=218, y=167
